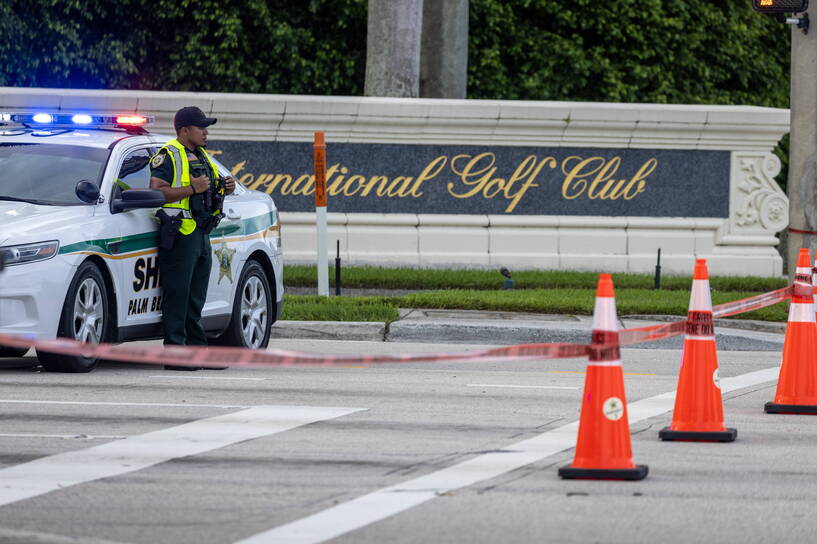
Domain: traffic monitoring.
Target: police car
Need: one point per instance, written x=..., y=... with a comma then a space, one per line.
x=78, y=238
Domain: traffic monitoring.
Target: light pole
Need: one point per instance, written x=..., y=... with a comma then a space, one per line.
x=802, y=182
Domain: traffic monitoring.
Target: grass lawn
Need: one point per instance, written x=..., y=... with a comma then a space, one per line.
x=548, y=301
x=372, y=277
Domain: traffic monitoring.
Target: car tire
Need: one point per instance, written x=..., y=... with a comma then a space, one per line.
x=252, y=315
x=12, y=352
x=85, y=316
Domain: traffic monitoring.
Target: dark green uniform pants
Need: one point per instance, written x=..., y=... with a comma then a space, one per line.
x=185, y=272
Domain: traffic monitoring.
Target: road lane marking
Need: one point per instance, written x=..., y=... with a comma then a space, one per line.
x=39, y=537
x=78, y=436
x=174, y=377
x=378, y=505
x=585, y=372
x=520, y=386
x=146, y=404
x=134, y=453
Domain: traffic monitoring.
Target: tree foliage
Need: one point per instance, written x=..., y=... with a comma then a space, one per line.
x=680, y=51
x=252, y=46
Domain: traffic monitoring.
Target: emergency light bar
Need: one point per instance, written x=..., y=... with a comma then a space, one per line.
x=75, y=120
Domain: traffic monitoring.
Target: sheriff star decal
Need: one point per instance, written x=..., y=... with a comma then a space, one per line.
x=224, y=255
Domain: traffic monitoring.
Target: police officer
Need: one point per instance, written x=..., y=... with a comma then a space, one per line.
x=186, y=175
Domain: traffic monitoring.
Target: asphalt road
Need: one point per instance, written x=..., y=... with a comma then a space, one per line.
x=393, y=453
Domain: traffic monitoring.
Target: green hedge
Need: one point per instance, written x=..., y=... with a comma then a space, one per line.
x=683, y=51
x=253, y=46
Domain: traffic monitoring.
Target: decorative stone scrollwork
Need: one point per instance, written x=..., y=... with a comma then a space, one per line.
x=758, y=203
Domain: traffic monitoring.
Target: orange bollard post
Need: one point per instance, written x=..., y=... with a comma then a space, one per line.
x=698, y=413
x=797, y=385
x=603, y=449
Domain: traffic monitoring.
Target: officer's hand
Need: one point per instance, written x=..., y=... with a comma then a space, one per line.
x=229, y=185
x=200, y=184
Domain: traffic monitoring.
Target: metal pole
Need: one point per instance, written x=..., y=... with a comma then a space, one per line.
x=337, y=271
x=657, y=284
x=320, y=213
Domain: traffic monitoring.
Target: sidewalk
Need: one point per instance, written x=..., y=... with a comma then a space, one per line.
x=507, y=328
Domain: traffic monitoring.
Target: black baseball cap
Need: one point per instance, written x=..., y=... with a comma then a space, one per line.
x=192, y=116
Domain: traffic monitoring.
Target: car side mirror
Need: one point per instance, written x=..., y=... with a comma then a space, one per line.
x=87, y=191
x=138, y=198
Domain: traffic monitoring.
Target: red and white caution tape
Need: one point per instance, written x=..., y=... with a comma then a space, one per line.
x=238, y=357
x=760, y=301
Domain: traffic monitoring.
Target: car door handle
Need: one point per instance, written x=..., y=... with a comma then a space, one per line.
x=232, y=214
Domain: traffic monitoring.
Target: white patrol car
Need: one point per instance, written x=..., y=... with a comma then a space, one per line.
x=78, y=238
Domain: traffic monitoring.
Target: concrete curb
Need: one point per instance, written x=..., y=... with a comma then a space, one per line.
x=732, y=334
x=330, y=330
x=475, y=332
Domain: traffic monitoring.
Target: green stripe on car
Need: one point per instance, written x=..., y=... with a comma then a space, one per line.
x=147, y=240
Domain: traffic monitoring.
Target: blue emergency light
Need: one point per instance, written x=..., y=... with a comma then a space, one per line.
x=75, y=120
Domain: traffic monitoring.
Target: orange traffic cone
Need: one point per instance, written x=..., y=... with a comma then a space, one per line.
x=797, y=384
x=698, y=413
x=603, y=447
x=814, y=283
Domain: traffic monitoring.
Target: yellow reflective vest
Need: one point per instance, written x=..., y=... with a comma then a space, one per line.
x=181, y=178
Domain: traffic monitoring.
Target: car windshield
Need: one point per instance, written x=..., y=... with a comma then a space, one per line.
x=47, y=173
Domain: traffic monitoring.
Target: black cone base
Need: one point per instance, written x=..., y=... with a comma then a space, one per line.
x=637, y=473
x=772, y=408
x=180, y=367
x=728, y=435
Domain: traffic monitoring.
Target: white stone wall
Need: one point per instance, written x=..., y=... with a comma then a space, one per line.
x=739, y=245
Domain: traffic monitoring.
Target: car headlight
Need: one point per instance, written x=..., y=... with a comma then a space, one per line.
x=29, y=253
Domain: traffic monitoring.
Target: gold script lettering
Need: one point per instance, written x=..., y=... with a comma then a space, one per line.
x=519, y=174
x=431, y=171
x=604, y=186
x=472, y=174
x=593, y=178
x=575, y=183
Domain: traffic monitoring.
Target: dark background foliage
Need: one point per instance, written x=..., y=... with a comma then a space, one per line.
x=252, y=46
x=679, y=51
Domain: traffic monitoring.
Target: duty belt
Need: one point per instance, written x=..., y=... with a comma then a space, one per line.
x=173, y=212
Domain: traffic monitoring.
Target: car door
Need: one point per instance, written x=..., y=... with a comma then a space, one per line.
x=134, y=252
x=229, y=252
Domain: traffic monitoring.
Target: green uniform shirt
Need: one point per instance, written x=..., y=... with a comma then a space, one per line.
x=198, y=166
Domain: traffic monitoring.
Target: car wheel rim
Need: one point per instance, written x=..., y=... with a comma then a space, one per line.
x=89, y=312
x=253, y=312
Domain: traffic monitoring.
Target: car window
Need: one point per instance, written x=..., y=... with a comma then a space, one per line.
x=48, y=173
x=134, y=172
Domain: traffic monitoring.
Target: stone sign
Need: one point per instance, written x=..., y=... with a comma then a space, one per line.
x=483, y=180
